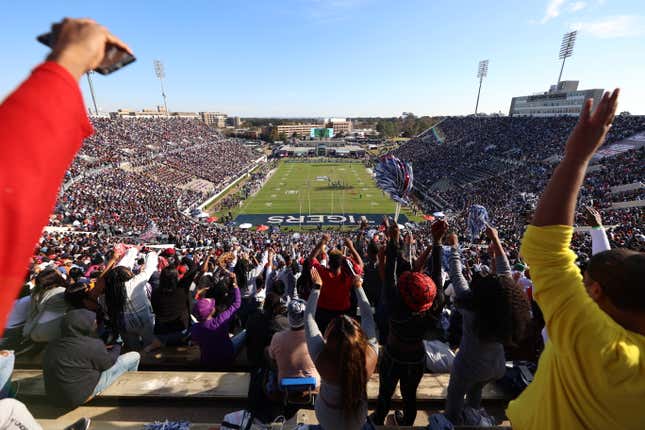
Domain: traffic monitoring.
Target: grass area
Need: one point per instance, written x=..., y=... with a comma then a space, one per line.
x=306, y=188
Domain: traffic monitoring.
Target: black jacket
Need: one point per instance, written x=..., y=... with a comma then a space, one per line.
x=171, y=307
x=405, y=326
x=72, y=364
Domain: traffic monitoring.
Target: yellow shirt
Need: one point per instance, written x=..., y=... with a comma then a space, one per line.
x=591, y=374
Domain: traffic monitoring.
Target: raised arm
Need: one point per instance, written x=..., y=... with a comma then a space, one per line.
x=367, y=318
x=599, y=240
x=558, y=287
x=355, y=255
x=391, y=258
x=439, y=229
x=222, y=317
x=459, y=283
x=557, y=204
x=150, y=265
x=129, y=258
x=315, y=340
x=502, y=266
x=191, y=274
x=314, y=252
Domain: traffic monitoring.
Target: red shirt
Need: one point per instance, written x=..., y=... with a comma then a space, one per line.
x=335, y=292
x=42, y=125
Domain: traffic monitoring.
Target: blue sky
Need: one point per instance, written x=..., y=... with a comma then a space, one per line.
x=343, y=57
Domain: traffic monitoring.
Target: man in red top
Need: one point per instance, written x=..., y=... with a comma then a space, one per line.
x=42, y=126
x=335, y=298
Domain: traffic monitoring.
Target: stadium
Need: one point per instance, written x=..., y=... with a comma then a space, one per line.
x=179, y=276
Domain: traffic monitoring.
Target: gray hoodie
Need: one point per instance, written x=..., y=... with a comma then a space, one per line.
x=72, y=364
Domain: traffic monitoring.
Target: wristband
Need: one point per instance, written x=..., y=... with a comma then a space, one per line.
x=317, y=286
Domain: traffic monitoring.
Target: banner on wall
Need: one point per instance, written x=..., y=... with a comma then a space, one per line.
x=313, y=220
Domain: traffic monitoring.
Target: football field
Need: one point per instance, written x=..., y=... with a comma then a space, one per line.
x=319, y=188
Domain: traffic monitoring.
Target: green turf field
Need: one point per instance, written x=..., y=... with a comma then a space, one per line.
x=301, y=188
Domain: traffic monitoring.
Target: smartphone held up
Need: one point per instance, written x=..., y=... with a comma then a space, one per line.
x=115, y=57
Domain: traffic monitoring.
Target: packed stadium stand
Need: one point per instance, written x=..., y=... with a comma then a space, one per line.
x=130, y=185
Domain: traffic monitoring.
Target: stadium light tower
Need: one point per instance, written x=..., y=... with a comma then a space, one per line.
x=566, y=49
x=89, y=82
x=482, y=72
x=161, y=73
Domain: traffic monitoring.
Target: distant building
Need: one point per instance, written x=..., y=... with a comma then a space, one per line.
x=234, y=121
x=144, y=113
x=188, y=115
x=301, y=130
x=561, y=99
x=214, y=119
x=340, y=125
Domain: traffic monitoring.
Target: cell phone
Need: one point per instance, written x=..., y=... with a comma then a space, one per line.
x=115, y=57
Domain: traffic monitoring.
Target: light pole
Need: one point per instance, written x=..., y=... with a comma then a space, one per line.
x=482, y=72
x=161, y=73
x=566, y=49
x=89, y=81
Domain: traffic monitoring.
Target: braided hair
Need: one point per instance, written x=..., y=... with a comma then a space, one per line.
x=116, y=294
x=502, y=310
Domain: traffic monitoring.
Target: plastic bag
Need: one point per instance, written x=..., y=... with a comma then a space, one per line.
x=439, y=356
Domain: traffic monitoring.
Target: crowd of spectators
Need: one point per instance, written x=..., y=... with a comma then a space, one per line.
x=318, y=311
x=514, y=153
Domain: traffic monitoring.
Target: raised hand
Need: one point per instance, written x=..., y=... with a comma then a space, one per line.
x=592, y=216
x=452, y=239
x=491, y=232
x=357, y=281
x=80, y=46
x=557, y=205
x=591, y=129
x=438, y=229
x=348, y=242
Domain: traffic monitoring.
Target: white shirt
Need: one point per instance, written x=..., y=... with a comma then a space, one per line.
x=136, y=287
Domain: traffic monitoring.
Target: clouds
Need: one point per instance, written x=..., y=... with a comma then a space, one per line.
x=612, y=27
x=555, y=7
x=553, y=10
x=576, y=6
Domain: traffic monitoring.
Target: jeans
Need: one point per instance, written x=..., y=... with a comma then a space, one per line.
x=15, y=416
x=173, y=338
x=12, y=338
x=457, y=388
x=6, y=369
x=391, y=371
x=238, y=341
x=128, y=362
x=138, y=329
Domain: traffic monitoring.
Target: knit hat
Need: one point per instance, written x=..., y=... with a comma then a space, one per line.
x=296, y=313
x=203, y=308
x=417, y=290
